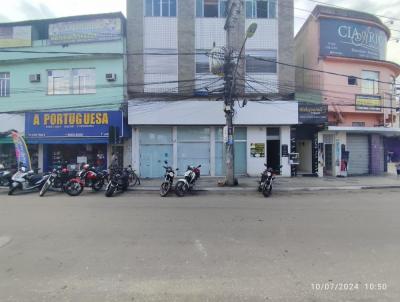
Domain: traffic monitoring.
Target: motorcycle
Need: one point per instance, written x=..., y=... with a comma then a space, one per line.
x=119, y=182
x=58, y=179
x=188, y=181
x=87, y=177
x=168, y=180
x=267, y=177
x=27, y=181
x=5, y=177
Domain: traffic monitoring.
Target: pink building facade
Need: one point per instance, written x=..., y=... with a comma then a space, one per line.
x=341, y=59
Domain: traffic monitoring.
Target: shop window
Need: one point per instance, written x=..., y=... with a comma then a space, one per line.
x=261, y=61
x=358, y=124
x=84, y=81
x=352, y=81
x=370, y=82
x=75, y=81
x=261, y=9
x=211, y=8
x=160, y=8
x=202, y=63
x=4, y=84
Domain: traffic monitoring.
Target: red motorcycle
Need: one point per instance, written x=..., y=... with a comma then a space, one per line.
x=87, y=177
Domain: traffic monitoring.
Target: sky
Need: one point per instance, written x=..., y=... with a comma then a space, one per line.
x=18, y=10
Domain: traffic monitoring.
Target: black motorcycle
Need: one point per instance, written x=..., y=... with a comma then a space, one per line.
x=58, y=179
x=27, y=181
x=168, y=180
x=5, y=177
x=267, y=177
x=119, y=182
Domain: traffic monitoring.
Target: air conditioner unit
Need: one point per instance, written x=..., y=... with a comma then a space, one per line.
x=34, y=78
x=111, y=77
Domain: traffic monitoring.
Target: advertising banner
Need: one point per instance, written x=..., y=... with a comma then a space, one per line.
x=350, y=39
x=76, y=124
x=368, y=103
x=21, y=151
x=85, y=31
x=313, y=113
x=257, y=150
x=15, y=36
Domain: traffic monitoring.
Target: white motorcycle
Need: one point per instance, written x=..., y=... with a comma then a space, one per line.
x=188, y=181
x=27, y=181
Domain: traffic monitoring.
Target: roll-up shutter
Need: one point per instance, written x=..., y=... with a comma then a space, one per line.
x=359, y=154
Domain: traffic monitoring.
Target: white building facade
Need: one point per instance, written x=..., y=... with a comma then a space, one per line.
x=175, y=109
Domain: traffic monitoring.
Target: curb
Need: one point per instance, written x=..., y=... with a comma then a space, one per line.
x=254, y=189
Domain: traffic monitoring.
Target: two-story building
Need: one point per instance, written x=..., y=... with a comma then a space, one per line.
x=63, y=85
x=170, y=42
x=341, y=62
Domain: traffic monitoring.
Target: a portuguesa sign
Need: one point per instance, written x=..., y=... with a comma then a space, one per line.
x=368, y=103
x=351, y=39
x=313, y=113
x=71, y=124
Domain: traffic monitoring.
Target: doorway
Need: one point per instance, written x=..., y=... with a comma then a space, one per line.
x=328, y=159
x=304, y=148
x=274, y=154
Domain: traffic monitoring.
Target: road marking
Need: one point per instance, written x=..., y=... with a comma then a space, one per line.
x=4, y=240
x=201, y=248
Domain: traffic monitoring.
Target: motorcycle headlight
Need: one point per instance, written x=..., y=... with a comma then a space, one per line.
x=171, y=174
x=269, y=173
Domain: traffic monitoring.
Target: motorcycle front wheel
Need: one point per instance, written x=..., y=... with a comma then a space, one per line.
x=164, y=189
x=267, y=190
x=45, y=187
x=73, y=188
x=110, y=191
x=180, y=189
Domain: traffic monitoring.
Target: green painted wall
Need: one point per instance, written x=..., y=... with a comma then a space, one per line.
x=27, y=96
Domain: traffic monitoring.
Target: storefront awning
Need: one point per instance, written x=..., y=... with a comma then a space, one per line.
x=367, y=130
x=210, y=112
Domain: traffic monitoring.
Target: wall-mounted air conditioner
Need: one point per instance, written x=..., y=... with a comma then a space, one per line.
x=111, y=77
x=34, y=78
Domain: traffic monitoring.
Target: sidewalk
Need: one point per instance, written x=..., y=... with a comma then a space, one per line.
x=286, y=184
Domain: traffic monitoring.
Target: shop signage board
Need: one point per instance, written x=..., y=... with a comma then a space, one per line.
x=257, y=150
x=15, y=36
x=313, y=113
x=93, y=30
x=368, y=103
x=352, y=39
x=72, y=124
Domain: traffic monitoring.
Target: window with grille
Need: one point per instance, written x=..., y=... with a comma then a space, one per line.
x=4, y=84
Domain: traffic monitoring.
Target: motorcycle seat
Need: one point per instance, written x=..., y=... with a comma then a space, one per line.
x=35, y=178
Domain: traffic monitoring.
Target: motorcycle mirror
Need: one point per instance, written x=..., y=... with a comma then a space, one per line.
x=177, y=169
x=265, y=164
x=199, y=166
x=280, y=166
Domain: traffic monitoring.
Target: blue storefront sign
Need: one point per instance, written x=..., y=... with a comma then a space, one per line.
x=351, y=39
x=72, y=125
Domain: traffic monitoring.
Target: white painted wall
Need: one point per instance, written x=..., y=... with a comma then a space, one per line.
x=135, y=150
x=285, y=140
x=12, y=122
x=255, y=166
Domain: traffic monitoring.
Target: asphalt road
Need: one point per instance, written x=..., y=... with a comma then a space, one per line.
x=138, y=247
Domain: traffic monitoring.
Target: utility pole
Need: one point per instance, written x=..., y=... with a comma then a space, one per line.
x=235, y=28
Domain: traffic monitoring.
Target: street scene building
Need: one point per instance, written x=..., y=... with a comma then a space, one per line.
x=176, y=112
x=63, y=86
x=343, y=55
